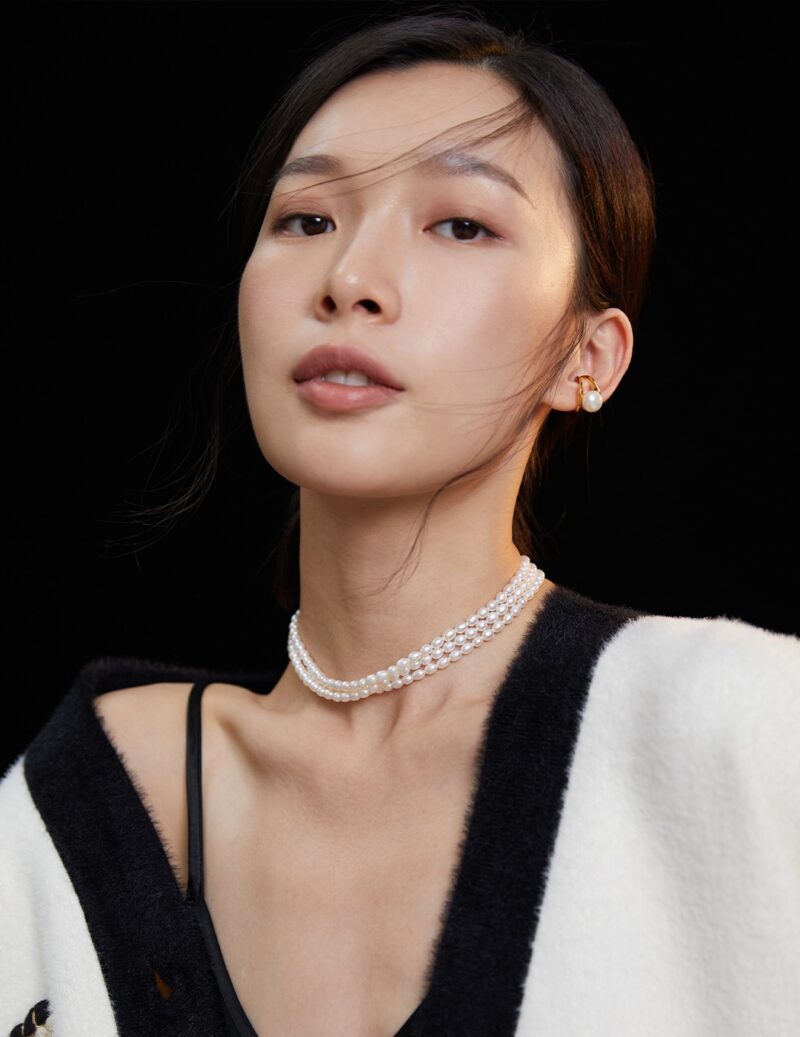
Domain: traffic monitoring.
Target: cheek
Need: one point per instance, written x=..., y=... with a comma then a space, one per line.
x=256, y=305
x=484, y=342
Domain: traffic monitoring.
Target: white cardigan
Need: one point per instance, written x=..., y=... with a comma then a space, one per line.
x=671, y=904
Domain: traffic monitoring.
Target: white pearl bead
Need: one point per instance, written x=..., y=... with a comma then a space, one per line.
x=592, y=401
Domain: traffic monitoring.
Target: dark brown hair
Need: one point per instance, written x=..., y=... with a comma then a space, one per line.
x=609, y=185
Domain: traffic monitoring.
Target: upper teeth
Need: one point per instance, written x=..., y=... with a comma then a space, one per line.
x=348, y=378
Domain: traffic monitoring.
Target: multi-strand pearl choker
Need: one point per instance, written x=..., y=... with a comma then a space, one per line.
x=453, y=644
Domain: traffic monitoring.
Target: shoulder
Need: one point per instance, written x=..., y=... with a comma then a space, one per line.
x=146, y=725
x=146, y=711
x=142, y=706
x=719, y=652
x=716, y=694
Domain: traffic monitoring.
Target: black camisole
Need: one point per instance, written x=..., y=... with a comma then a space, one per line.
x=238, y=1023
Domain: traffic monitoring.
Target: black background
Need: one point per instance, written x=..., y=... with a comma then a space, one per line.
x=126, y=127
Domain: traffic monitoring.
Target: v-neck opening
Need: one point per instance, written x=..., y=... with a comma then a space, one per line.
x=483, y=950
x=244, y=1026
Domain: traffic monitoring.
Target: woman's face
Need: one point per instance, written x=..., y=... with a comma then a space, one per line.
x=456, y=311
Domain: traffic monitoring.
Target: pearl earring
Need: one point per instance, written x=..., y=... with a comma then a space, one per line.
x=592, y=400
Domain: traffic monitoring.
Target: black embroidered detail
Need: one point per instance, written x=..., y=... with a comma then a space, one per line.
x=35, y=1024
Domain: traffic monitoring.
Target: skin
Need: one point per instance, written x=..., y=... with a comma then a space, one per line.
x=342, y=821
x=461, y=324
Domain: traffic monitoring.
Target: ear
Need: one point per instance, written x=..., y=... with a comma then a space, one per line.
x=604, y=353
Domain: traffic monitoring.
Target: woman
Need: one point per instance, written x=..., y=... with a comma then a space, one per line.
x=474, y=802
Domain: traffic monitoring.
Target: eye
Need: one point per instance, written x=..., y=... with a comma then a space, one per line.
x=282, y=222
x=464, y=225
x=465, y=229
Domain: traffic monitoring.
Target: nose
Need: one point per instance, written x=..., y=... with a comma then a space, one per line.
x=362, y=277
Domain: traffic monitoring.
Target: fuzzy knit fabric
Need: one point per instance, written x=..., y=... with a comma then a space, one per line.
x=629, y=867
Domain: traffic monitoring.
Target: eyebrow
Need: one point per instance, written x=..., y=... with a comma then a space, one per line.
x=448, y=163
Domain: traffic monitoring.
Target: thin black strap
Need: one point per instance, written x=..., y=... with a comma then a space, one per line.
x=237, y=1017
x=194, y=792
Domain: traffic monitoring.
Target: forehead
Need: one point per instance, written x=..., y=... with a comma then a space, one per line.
x=381, y=116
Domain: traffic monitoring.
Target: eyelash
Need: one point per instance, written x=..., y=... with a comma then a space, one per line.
x=281, y=222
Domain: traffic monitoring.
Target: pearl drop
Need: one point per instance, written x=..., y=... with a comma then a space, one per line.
x=592, y=401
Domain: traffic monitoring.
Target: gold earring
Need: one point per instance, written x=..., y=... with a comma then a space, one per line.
x=589, y=401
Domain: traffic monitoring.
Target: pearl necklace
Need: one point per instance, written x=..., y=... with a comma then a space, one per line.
x=453, y=644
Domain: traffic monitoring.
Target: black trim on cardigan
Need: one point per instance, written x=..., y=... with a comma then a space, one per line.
x=485, y=951
x=148, y=939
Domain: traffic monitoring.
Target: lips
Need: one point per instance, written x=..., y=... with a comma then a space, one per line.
x=322, y=359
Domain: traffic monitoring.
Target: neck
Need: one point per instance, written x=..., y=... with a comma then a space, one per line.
x=358, y=616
